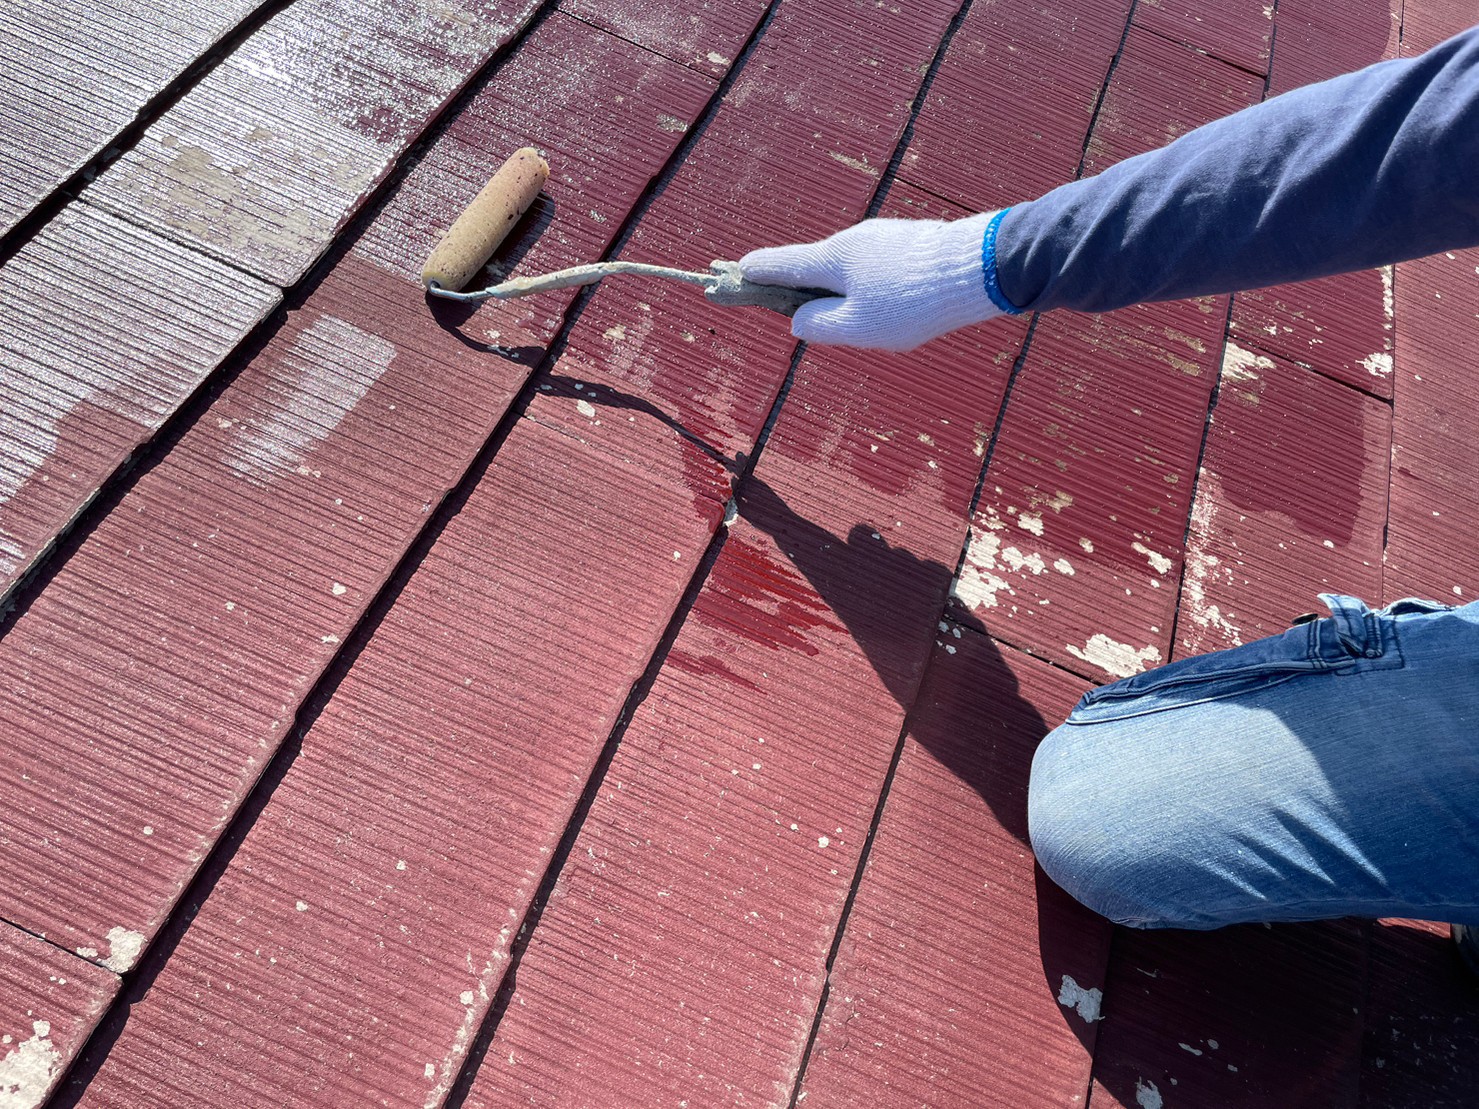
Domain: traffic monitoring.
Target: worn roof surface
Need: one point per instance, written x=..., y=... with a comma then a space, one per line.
x=566, y=701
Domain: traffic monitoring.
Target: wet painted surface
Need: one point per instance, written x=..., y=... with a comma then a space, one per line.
x=74, y=74
x=964, y=977
x=1291, y=502
x=183, y=633
x=49, y=1002
x=104, y=332
x=1248, y=1015
x=425, y=828
x=263, y=161
x=818, y=109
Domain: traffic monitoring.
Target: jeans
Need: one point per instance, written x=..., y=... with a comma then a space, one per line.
x=1329, y=771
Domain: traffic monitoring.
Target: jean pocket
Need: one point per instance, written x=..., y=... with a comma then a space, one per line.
x=1352, y=640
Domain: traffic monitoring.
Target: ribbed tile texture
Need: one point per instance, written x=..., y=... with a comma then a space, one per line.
x=964, y=977
x=1435, y=496
x=371, y=907
x=1318, y=40
x=104, y=331
x=705, y=34
x=1076, y=540
x=1007, y=113
x=1235, y=31
x=1340, y=326
x=797, y=146
x=73, y=74
x=1291, y=502
x=181, y=636
x=1245, y=1016
x=49, y=1002
x=263, y=161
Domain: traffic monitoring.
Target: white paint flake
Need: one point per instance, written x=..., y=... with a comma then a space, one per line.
x=339, y=589
x=1117, y=659
x=1087, y=545
x=585, y=408
x=1087, y=1003
x=1147, y=1096
x=823, y=841
x=301, y=906
x=324, y=375
x=1378, y=365
x=1158, y=562
x=1063, y=566
x=1030, y=521
x=717, y=58
x=1388, y=299
x=1243, y=365
x=124, y=947
x=28, y=1070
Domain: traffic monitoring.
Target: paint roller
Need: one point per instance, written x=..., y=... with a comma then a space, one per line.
x=509, y=193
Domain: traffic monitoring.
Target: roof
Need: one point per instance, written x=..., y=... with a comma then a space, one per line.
x=567, y=700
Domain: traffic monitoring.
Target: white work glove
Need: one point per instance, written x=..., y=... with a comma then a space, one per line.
x=903, y=282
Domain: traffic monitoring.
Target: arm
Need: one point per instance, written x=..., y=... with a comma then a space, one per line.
x=1369, y=168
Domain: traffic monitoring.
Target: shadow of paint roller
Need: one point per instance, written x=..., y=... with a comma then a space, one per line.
x=483, y=225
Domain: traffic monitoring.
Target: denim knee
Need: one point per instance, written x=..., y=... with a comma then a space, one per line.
x=1099, y=834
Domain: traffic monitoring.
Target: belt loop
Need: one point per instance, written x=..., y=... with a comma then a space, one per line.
x=1355, y=624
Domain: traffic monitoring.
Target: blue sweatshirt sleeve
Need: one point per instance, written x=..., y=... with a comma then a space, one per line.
x=1373, y=167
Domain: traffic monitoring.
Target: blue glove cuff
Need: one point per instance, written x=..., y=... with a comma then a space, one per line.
x=988, y=267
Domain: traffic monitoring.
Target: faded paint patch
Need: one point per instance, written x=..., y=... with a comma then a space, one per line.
x=29, y=1069
x=1121, y=660
x=671, y=123
x=860, y=164
x=328, y=370
x=1087, y=1003
x=124, y=948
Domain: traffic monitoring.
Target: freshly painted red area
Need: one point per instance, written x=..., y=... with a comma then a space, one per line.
x=151, y=680
x=1246, y=1016
x=1235, y=31
x=49, y=1002
x=371, y=907
x=964, y=976
x=72, y=78
x=1007, y=113
x=797, y=147
x=1435, y=496
x=265, y=160
x=104, y=332
x=1340, y=326
x=707, y=35
x=1422, y=1026
x=1291, y=502
x=682, y=953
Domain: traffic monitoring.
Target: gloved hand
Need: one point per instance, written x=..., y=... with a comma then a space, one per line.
x=903, y=282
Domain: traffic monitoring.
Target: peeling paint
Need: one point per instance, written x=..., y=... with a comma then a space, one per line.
x=124, y=947
x=1243, y=365
x=1147, y=1096
x=1087, y=1003
x=1378, y=365
x=1158, y=562
x=29, y=1069
x=1120, y=660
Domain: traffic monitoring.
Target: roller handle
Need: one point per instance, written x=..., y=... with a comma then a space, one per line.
x=486, y=222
